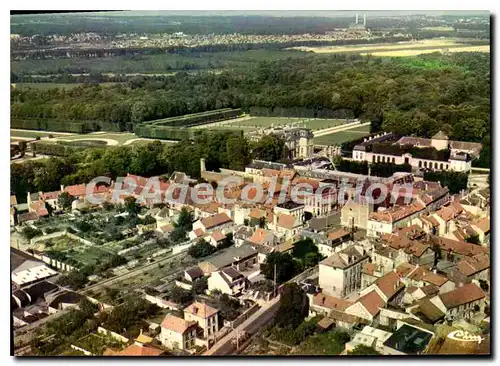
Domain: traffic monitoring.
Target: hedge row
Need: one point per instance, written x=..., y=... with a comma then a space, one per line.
x=302, y=112
x=84, y=143
x=49, y=148
x=198, y=118
x=173, y=133
x=41, y=124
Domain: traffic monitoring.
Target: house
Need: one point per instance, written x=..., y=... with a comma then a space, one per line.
x=26, y=270
x=367, y=307
x=408, y=339
x=417, y=276
x=263, y=237
x=461, y=302
x=387, y=220
x=190, y=275
x=240, y=258
x=215, y=238
x=355, y=214
x=228, y=281
x=288, y=225
x=340, y=274
x=454, y=250
x=135, y=349
x=472, y=268
x=333, y=240
x=241, y=235
x=482, y=228
x=370, y=337
x=322, y=304
x=177, y=333
x=369, y=274
x=205, y=316
x=389, y=287
x=215, y=222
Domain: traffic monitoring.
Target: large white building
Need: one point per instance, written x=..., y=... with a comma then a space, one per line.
x=460, y=153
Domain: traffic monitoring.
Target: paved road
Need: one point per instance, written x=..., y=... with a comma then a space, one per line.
x=350, y=126
x=252, y=326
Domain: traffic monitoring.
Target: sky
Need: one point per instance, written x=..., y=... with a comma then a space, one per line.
x=281, y=13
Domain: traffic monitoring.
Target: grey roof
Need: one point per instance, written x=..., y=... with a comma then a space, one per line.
x=230, y=255
x=66, y=297
x=194, y=272
x=259, y=164
x=409, y=339
x=39, y=290
x=322, y=223
x=231, y=273
x=20, y=261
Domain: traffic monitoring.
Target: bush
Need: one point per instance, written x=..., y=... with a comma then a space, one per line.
x=29, y=233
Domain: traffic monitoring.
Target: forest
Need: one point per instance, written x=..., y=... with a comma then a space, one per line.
x=407, y=96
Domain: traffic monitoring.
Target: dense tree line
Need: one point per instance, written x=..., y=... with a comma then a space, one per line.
x=455, y=181
x=419, y=95
x=220, y=150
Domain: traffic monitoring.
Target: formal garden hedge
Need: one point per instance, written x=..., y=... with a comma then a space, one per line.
x=174, y=133
x=196, y=119
x=302, y=112
x=61, y=148
x=42, y=124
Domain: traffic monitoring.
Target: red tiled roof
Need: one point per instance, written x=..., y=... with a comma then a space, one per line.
x=372, y=302
x=462, y=295
x=455, y=246
x=136, y=350
x=176, y=324
x=286, y=221
x=472, y=265
x=201, y=310
x=396, y=213
x=330, y=302
x=215, y=220
x=483, y=224
x=389, y=284
x=337, y=234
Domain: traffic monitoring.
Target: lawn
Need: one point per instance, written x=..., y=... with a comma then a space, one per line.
x=342, y=136
x=60, y=243
x=329, y=343
x=90, y=255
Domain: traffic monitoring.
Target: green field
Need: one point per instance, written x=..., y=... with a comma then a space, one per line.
x=60, y=243
x=342, y=136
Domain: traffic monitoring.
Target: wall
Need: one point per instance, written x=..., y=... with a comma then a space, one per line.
x=110, y=333
x=331, y=280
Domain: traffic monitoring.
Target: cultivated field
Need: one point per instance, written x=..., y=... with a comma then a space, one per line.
x=412, y=48
x=342, y=136
x=406, y=53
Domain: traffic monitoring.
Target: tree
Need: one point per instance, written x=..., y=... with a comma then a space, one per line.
x=131, y=205
x=312, y=259
x=246, y=222
x=269, y=148
x=87, y=307
x=302, y=247
x=294, y=307
x=179, y=295
x=65, y=200
x=149, y=220
x=29, y=232
x=473, y=239
x=201, y=249
x=285, y=267
x=200, y=285
x=262, y=222
x=228, y=307
x=74, y=279
x=361, y=349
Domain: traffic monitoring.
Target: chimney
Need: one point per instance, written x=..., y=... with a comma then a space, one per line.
x=62, y=188
x=202, y=165
x=434, y=271
x=29, y=198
